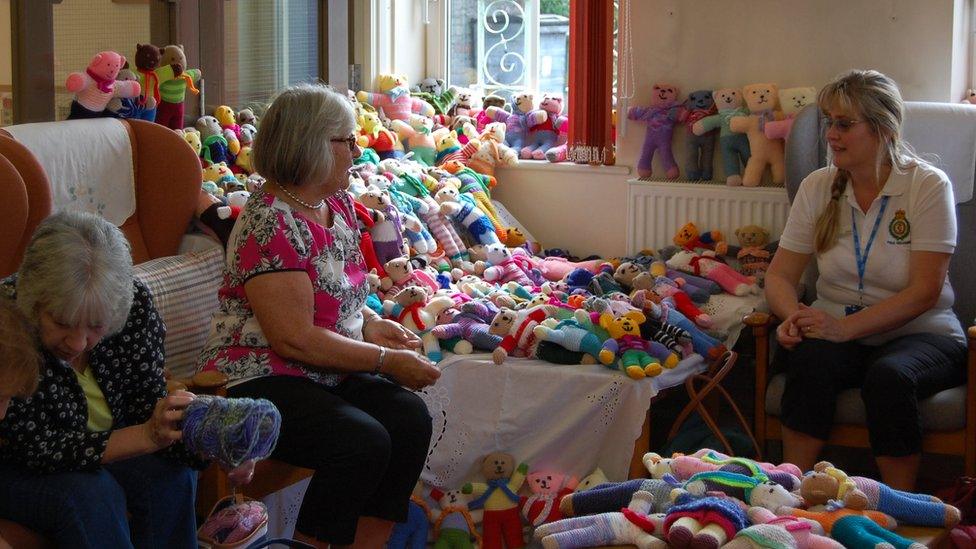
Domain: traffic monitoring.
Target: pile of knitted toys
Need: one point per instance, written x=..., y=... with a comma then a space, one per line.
x=706, y=500
x=436, y=124
x=444, y=265
x=750, y=125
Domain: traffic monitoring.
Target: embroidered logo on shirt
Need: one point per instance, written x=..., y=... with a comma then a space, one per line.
x=899, y=228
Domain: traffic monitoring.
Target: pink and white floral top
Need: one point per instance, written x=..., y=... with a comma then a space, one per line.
x=269, y=237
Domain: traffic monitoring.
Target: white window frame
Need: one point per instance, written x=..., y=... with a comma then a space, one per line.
x=438, y=47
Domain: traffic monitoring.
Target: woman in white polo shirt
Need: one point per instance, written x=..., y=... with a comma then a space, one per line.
x=881, y=225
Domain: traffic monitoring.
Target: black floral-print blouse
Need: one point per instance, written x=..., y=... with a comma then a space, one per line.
x=48, y=432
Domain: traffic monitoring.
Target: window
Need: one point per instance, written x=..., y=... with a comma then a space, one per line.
x=82, y=29
x=506, y=46
x=268, y=45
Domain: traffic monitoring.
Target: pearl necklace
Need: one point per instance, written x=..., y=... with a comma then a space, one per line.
x=317, y=206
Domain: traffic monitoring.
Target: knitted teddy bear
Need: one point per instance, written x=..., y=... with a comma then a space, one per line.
x=449, y=148
x=638, y=358
x=436, y=92
x=699, y=148
x=373, y=134
x=689, y=237
x=411, y=308
x=470, y=323
x=517, y=331
x=770, y=530
x=463, y=209
x=660, y=116
x=517, y=122
x=703, y=522
x=543, y=132
x=394, y=98
x=763, y=103
x=493, y=151
x=633, y=277
x=548, y=489
x=172, y=91
x=734, y=146
x=478, y=185
x=215, y=146
x=400, y=273
x=416, y=137
x=505, y=267
x=455, y=527
x=413, y=191
x=614, y=495
x=386, y=233
x=630, y=525
x=95, y=87
x=498, y=496
x=706, y=264
x=228, y=121
x=906, y=507
x=755, y=252
x=792, y=100
x=481, y=116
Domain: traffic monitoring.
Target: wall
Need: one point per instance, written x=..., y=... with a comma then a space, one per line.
x=6, y=52
x=731, y=43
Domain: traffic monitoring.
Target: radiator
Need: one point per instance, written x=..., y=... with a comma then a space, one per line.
x=657, y=209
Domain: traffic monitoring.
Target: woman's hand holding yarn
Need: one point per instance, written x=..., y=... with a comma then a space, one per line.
x=163, y=428
x=410, y=369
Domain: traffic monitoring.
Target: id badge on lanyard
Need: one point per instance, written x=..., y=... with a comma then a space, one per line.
x=861, y=259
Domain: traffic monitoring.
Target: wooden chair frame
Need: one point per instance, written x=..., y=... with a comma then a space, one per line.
x=961, y=442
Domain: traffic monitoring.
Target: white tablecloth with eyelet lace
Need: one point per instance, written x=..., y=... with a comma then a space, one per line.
x=570, y=419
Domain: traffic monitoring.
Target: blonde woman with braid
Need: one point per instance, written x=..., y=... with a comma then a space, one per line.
x=880, y=224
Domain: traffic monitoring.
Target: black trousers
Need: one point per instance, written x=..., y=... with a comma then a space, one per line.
x=892, y=377
x=366, y=439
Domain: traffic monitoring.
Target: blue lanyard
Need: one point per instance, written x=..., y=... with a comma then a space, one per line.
x=862, y=259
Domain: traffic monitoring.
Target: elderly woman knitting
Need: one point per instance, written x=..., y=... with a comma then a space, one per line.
x=93, y=458
x=293, y=327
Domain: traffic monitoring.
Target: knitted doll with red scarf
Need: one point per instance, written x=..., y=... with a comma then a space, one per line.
x=411, y=308
x=517, y=331
x=710, y=267
x=97, y=85
x=547, y=491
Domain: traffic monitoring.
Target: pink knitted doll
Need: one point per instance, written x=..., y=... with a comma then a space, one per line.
x=711, y=268
x=503, y=267
x=95, y=87
x=544, y=134
x=394, y=98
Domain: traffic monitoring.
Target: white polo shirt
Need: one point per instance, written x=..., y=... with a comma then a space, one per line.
x=920, y=216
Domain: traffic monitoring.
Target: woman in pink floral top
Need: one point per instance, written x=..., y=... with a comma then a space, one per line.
x=293, y=328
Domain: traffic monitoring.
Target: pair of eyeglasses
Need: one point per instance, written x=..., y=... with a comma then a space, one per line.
x=349, y=141
x=842, y=124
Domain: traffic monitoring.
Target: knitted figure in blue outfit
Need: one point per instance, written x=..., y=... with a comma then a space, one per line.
x=412, y=534
x=575, y=334
x=860, y=532
x=905, y=507
x=470, y=325
x=631, y=525
x=614, y=495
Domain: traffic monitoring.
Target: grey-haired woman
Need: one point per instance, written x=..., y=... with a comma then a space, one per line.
x=92, y=458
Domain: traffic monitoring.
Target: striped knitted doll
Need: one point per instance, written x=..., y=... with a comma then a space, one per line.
x=463, y=210
x=471, y=325
x=95, y=87
x=630, y=525
x=498, y=496
x=906, y=507
x=172, y=91
x=517, y=331
x=614, y=495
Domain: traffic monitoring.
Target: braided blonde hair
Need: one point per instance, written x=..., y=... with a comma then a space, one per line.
x=876, y=100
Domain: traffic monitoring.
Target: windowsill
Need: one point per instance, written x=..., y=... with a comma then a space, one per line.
x=546, y=166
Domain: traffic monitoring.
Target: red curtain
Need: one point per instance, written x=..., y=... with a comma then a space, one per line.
x=590, y=81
